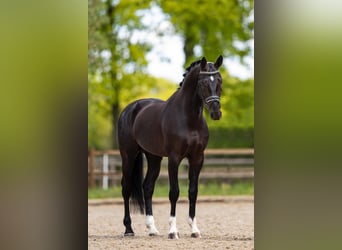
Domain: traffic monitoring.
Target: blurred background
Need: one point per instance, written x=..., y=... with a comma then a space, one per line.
x=139, y=49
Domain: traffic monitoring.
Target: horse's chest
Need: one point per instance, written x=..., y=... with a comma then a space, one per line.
x=195, y=138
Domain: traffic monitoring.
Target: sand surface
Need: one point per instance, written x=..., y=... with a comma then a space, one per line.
x=225, y=223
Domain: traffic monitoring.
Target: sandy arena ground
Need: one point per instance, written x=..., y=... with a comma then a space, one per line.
x=225, y=223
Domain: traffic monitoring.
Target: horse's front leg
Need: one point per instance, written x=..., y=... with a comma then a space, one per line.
x=173, y=194
x=194, y=170
x=126, y=183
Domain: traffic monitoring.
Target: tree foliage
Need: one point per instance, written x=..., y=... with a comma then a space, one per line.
x=212, y=27
x=116, y=61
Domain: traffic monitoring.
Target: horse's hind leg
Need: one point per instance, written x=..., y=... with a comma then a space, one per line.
x=152, y=174
x=126, y=183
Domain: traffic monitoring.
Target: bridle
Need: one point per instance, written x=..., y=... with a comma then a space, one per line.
x=211, y=98
x=209, y=72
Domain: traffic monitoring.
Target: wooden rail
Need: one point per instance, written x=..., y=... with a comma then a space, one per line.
x=209, y=151
x=106, y=165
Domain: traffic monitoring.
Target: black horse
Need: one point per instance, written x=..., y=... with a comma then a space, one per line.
x=174, y=128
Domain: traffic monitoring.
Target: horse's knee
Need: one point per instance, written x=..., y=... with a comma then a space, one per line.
x=148, y=190
x=193, y=193
x=174, y=194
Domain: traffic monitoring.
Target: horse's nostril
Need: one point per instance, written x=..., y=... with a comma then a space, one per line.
x=215, y=115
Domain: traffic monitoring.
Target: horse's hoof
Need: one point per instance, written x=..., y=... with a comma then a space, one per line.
x=174, y=235
x=152, y=234
x=129, y=234
x=196, y=235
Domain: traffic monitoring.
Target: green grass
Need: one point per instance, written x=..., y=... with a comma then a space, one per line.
x=162, y=190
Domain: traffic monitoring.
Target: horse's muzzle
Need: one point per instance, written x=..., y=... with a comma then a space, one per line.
x=216, y=115
x=214, y=110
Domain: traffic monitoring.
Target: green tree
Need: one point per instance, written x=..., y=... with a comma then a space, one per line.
x=116, y=61
x=212, y=27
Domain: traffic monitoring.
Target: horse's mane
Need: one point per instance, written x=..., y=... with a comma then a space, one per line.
x=188, y=69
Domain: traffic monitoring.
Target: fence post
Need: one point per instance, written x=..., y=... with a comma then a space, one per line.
x=91, y=182
x=105, y=171
x=114, y=172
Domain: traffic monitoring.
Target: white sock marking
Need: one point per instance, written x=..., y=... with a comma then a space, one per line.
x=173, y=226
x=150, y=225
x=193, y=225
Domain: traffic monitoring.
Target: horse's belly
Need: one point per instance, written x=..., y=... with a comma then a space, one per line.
x=149, y=139
x=151, y=147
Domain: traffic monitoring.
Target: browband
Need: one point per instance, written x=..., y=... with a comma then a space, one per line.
x=208, y=73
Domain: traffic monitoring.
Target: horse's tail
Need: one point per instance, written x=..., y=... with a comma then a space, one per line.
x=137, y=196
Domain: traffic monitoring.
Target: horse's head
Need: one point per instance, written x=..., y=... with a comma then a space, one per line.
x=210, y=86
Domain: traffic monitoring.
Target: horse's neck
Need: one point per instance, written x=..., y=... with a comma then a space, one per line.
x=190, y=101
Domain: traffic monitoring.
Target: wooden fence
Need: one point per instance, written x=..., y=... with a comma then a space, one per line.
x=104, y=167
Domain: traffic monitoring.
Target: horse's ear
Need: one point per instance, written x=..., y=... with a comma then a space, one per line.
x=203, y=63
x=218, y=62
